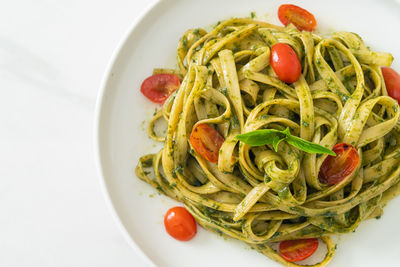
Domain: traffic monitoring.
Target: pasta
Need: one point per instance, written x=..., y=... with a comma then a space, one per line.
x=253, y=193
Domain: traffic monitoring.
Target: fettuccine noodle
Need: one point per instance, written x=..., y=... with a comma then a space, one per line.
x=255, y=194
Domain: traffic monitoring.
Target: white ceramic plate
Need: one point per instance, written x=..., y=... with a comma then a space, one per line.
x=122, y=115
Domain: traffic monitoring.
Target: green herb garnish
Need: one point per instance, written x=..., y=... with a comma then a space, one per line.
x=274, y=137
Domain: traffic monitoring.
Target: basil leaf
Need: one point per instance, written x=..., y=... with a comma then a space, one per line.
x=307, y=146
x=274, y=137
x=259, y=137
x=286, y=131
x=276, y=141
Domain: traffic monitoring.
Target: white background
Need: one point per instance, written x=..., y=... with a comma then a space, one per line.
x=53, y=55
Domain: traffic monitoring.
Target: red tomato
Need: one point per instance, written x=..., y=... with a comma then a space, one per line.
x=300, y=17
x=159, y=87
x=285, y=63
x=335, y=168
x=298, y=250
x=206, y=141
x=392, y=81
x=180, y=224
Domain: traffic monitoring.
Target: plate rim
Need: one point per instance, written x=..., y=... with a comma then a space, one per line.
x=100, y=102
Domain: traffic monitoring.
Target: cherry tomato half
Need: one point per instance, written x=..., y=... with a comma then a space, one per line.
x=159, y=87
x=335, y=168
x=301, y=18
x=298, y=250
x=206, y=141
x=392, y=81
x=180, y=224
x=285, y=63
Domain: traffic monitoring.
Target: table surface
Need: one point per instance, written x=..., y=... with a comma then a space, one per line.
x=53, y=55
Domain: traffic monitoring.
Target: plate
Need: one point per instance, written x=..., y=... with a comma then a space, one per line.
x=122, y=115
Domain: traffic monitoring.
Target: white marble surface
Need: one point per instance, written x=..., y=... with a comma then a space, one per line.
x=52, y=58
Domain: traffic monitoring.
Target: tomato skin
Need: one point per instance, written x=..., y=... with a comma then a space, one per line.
x=392, y=82
x=301, y=18
x=298, y=250
x=159, y=87
x=206, y=141
x=335, y=168
x=180, y=224
x=285, y=63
